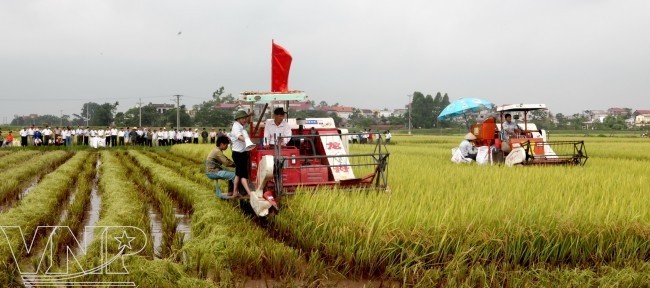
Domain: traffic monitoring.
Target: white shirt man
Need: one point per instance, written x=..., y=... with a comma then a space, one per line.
x=238, y=129
x=100, y=133
x=510, y=129
x=171, y=134
x=154, y=138
x=277, y=127
x=47, y=131
x=30, y=135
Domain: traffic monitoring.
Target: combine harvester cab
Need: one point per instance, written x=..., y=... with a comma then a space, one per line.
x=531, y=145
x=317, y=156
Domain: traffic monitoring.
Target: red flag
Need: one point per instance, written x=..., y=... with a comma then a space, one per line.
x=280, y=65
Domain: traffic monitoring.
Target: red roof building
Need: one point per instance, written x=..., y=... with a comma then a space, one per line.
x=617, y=111
x=641, y=112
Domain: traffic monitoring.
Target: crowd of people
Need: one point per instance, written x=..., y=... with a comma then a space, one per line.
x=111, y=136
x=368, y=136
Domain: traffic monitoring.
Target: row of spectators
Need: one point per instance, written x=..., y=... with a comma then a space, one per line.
x=367, y=136
x=111, y=136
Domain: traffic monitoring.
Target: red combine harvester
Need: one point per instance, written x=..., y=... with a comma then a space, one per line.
x=317, y=155
x=529, y=145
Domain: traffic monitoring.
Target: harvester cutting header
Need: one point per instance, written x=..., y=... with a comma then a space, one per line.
x=288, y=153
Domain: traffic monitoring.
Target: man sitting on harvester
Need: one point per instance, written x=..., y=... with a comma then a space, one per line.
x=276, y=128
x=510, y=130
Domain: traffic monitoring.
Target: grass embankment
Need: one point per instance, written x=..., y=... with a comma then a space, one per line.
x=18, y=177
x=36, y=209
x=446, y=224
x=123, y=206
x=226, y=246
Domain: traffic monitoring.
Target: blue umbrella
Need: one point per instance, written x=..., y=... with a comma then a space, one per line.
x=462, y=106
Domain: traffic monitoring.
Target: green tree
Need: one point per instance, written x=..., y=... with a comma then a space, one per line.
x=442, y=105
x=437, y=108
x=207, y=115
x=577, y=121
x=422, y=110
x=541, y=118
x=150, y=117
x=397, y=120
x=100, y=115
x=217, y=94
x=561, y=120
x=614, y=122
x=185, y=119
x=41, y=121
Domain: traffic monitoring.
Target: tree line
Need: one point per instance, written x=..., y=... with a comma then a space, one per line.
x=424, y=111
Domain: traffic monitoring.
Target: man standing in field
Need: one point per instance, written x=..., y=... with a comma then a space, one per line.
x=86, y=134
x=215, y=165
x=213, y=136
x=47, y=135
x=30, y=136
x=80, y=135
x=23, y=137
x=204, y=136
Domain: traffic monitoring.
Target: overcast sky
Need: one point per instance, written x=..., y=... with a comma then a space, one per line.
x=570, y=55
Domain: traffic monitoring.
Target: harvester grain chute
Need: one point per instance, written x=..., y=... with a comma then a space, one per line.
x=529, y=145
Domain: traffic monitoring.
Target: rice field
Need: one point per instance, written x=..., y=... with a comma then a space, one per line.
x=441, y=224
